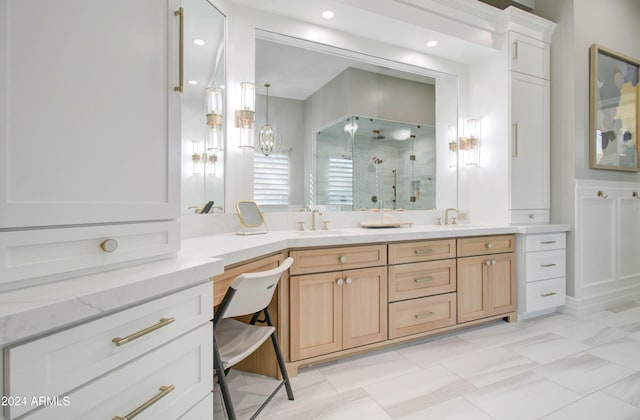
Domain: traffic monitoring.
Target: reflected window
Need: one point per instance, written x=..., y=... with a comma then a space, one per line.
x=271, y=179
x=340, y=181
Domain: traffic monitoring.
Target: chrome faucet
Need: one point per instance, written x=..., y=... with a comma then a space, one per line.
x=313, y=218
x=446, y=216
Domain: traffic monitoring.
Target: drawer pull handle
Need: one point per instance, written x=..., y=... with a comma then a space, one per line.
x=547, y=294
x=109, y=245
x=164, y=390
x=348, y=280
x=340, y=282
x=424, y=315
x=423, y=251
x=547, y=265
x=423, y=280
x=342, y=259
x=489, y=245
x=163, y=323
x=547, y=242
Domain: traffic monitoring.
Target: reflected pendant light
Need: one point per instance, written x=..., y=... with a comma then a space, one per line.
x=265, y=137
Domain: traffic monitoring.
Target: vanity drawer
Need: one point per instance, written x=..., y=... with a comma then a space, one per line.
x=54, y=364
x=181, y=370
x=545, y=265
x=335, y=259
x=408, y=281
x=421, y=251
x=423, y=314
x=54, y=252
x=545, y=241
x=528, y=217
x=545, y=294
x=484, y=245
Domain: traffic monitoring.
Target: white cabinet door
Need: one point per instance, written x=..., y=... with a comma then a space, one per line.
x=628, y=237
x=90, y=120
x=529, y=146
x=529, y=56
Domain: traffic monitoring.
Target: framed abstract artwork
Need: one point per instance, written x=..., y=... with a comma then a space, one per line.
x=614, y=111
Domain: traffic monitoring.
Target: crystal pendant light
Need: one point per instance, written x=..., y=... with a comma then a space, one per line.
x=265, y=136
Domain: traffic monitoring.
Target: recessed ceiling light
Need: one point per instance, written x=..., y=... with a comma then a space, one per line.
x=328, y=14
x=432, y=43
x=198, y=41
x=193, y=82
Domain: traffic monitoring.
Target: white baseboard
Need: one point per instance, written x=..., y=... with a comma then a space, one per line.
x=588, y=305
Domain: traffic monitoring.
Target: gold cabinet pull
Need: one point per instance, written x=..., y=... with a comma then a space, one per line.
x=547, y=294
x=424, y=315
x=515, y=50
x=547, y=242
x=163, y=323
x=180, y=87
x=424, y=279
x=164, y=390
x=423, y=251
x=548, y=265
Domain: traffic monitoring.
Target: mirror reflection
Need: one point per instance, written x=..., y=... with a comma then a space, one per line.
x=203, y=102
x=314, y=92
x=364, y=163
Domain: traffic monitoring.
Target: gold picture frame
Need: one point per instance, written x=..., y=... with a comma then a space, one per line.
x=614, y=111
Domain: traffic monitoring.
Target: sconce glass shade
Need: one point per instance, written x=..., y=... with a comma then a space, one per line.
x=214, y=107
x=265, y=135
x=471, y=145
x=452, y=134
x=246, y=115
x=196, y=157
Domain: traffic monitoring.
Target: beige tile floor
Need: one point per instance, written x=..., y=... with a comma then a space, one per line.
x=554, y=367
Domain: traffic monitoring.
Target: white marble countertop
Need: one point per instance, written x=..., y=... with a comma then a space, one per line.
x=233, y=248
x=28, y=312
x=31, y=311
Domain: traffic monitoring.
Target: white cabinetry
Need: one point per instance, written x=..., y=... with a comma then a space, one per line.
x=111, y=366
x=529, y=187
x=91, y=122
x=607, y=238
x=541, y=271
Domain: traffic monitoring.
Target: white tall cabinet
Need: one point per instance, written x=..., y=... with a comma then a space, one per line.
x=89, y=146
x=529, y=165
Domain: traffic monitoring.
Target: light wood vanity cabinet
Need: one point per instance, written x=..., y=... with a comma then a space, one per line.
x=422, y=291
x=333, y=309
x=486, y=277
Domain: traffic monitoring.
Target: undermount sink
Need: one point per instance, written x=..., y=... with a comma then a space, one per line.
x=319, y=232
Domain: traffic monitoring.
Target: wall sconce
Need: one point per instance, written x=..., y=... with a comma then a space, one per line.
x=196, y=157
x=452, y=134
x=246, y=115
x=210, y=162
x=470, y=146
x=214, y=118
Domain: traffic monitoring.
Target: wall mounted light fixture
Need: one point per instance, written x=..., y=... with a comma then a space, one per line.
x=214, y=118
x=470, y=144
x=452, y=136
x=246, y=115
x=196, y=157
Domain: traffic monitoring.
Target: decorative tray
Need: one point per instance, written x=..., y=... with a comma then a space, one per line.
x=380, y=225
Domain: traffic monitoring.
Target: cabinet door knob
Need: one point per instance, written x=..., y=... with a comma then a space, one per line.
x=342, y=259
x=487, y=262
x=109, y=245
x=349, y=280
x=340, y=281
x=489, y=245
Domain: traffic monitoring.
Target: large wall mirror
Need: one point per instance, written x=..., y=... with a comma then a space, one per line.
x=352, y=131
x=203, y=102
